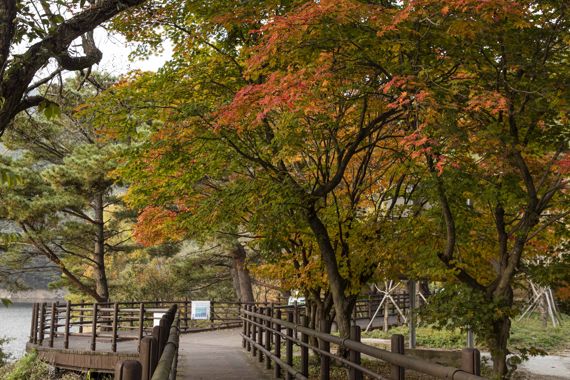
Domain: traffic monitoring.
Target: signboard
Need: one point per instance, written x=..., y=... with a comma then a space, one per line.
x=156, y=318
x=200, y=310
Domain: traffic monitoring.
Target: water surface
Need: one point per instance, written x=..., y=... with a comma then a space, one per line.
x=15, y=324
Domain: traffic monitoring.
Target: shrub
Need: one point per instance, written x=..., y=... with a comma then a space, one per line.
x=27, y=368
x=4, y=357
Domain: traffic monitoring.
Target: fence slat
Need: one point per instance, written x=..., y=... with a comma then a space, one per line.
x=67, y=322
x=355, y=374
x=397, y=346
x=289, y=345
x=115, y=327
x=304, y=349
x=94, y=328
x=277, y=327
x=42, y=322
x=268, y=311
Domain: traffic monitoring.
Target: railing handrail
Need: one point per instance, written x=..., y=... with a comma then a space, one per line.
x=117, y=321
x=263, y=323
x=168, y=360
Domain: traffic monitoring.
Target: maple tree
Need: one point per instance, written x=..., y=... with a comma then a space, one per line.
x=296, y=121
x=495, y=137
x=260, y=139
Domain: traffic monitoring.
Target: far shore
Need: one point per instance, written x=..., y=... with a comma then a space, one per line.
x=33, y=295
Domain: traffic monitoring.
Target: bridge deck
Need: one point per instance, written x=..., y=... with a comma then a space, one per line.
x=217, y=355
x=80, y=356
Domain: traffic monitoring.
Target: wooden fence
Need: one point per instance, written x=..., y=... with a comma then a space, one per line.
x=158, y=353
x=103, y=323
x=266, y=330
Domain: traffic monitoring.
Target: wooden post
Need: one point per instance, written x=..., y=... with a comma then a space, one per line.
x=244, y=326
x=56, y=318
x=296, y=317
x=33, y=324
x=325, y=370
x=185, y=315
x=128, y=370
x=277, y=327
x=355, y=374
x=260, y=334
x=156, y=331
x=163, y=337
x=304, y=348
x=141, y=322
x=115, y=327
x=398, y=373
x=269, y=313
x=412, y=319
x=94, y=328
x=471, y=361
x=212, y=317
x=249, y=331
x=67, y=322
x=81, y=305
x=148, y=356
x=254, y=332
x=289, y=345
x=42, y=322
x=52, y=323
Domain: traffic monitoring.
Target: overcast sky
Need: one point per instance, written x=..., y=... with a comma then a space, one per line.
x=116, y=55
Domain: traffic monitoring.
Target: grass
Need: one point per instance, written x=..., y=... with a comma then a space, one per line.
x=30, y=367
x=526, y=333
x=339, y=372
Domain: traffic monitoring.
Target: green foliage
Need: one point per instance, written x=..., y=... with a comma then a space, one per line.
x=528, y=337
x=148, y=275
x=529, y=333
x=458, y=306
x=8, y=177
x=4, y=357
x=65, y=194
x=426, y=336
x=30, y=367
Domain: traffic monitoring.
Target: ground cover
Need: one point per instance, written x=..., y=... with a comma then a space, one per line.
x=528, y=332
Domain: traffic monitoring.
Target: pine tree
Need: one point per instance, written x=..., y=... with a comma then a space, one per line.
x=65, y=206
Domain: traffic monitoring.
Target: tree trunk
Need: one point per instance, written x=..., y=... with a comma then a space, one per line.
x=243, y=276
x=499, y=336
x=337, y=284
x=101, y=284
x=235, y=282
x=498, y=346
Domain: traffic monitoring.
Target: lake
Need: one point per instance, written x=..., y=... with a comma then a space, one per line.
x=15, y=324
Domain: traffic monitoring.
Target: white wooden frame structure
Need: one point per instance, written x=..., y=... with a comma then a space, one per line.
x=539, y=294
x=390, y=287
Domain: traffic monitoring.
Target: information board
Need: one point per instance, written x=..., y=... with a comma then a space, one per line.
x=200, y=310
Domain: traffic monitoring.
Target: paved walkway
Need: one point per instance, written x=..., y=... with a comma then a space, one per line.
x=217, y=355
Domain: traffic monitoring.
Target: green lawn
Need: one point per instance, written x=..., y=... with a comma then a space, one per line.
x=526, y=333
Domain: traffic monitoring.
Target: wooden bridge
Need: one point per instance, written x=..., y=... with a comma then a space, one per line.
x=148, y=340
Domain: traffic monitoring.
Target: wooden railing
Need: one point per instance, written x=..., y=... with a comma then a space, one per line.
x=266, y=329
x=158, y=354
x=115, y=323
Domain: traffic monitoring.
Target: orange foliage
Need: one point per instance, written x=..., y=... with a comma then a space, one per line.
x=156, y=225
